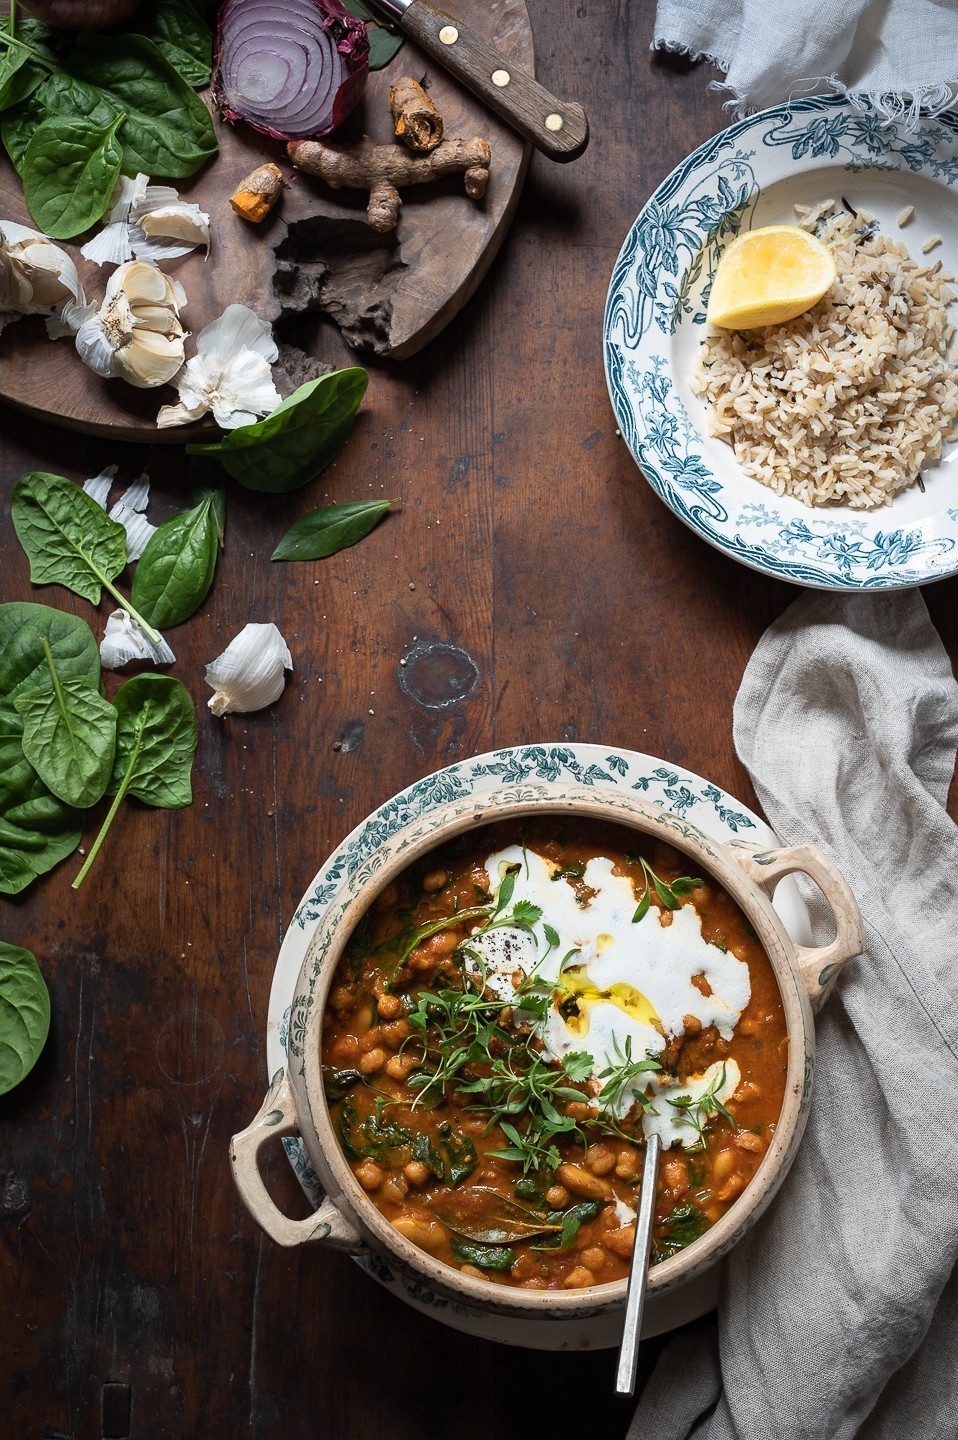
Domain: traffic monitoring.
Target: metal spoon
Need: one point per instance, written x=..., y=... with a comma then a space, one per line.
x=639, y=1273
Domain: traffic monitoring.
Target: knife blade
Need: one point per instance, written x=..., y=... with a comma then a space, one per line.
x=560, y=130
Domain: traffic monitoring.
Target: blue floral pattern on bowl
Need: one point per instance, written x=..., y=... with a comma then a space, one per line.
x=749, y=175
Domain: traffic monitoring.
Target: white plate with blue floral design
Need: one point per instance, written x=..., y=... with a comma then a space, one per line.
x=752, y=174
x=661, y=783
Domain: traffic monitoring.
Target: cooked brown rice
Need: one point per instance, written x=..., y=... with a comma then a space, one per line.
x=849, y=402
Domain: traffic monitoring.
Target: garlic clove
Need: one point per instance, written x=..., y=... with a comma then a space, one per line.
x=123, y=641
x=150, y=359
x=35, y=274
x=229, y=374
x=250, y=673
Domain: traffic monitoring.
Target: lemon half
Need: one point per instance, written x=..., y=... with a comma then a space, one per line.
x=769, y=276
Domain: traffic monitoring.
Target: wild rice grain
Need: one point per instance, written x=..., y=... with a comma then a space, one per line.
x=848, y=403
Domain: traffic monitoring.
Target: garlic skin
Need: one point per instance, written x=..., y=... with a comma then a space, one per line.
x=250, y=673
x=229, y=374
x=148, y=221
x=136, y=333
x=128, y=511
x=123, y=641
x=36, y=276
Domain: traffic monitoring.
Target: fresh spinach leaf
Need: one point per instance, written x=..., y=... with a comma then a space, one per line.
x=69, y=735
x=487, y=1257
x=299, y=438
x=19, y=76
x=155, y=745
x=384, y=39
x=168, y=130
x=330, y=528
x=24, y=1014
x=177, y=29
x=176, y=569
x=571, y=1221
x=17, y=127
x=69, y=540
x=340, y=1083
x=676, y=1230
x=451, y=1156
x=69, y=170
x=37, y=830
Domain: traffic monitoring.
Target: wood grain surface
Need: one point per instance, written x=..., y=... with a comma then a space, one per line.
x=425, y=271
x=137, y=1296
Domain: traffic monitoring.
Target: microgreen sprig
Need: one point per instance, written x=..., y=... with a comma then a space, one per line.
x=622, y=1074
x=698, y=1112
x=670, y=893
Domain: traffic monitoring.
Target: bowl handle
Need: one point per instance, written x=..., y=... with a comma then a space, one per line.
x=277, y=1116
x=819, y=965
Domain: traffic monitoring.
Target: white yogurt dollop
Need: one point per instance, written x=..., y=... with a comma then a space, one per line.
x=632, y=980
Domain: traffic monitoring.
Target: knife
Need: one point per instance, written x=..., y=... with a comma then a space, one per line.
x=559, y=130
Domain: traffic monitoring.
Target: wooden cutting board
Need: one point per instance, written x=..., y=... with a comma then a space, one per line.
x=389, y=294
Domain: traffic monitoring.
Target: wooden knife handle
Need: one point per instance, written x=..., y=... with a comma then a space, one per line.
x=559, y=130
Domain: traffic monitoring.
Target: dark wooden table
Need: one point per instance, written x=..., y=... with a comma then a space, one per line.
x=137, y=1297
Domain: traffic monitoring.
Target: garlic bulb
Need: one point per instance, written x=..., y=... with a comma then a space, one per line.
x=250, y=673
x=36, y=276
x=123, y=641
x=136, y=333
x=229, y=374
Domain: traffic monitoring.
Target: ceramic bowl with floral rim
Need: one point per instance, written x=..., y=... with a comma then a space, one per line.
x=751, y=175
x=296, y=1102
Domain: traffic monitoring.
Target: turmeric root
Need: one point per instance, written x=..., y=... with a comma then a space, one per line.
x=384, y=170
x=255, y=196
x=417, y=122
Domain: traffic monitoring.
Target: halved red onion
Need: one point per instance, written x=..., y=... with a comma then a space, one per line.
x=290, y=68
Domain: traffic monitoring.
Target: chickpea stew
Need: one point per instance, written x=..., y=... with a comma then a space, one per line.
x=514, y=1016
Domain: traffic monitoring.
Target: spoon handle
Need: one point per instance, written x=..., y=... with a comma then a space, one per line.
x=639, y=1274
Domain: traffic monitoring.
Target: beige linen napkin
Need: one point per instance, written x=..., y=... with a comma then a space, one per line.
x=838, y=1315
x=901, y=56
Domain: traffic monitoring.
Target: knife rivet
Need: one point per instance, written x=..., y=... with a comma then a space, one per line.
x=554, y=122
x=449, y=34
x=501, y=77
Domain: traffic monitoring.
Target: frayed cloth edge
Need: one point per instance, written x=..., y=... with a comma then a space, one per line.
x=675, y=47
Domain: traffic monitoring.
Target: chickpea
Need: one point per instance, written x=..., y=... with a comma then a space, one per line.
x=535, y=1283
x=691, y=1025
x=371, y=1038
x=416, y=1172
x=675, y=1173
x=342, y=998
x=600, y=1159
x=665, y=918
x=390, y=1007
x=395, y=1189
x=398, y=1067
x=387, y=898
x=745, y=1140
x=580, y=1182
x=558, y=1197
x=620, y=1242
x=427, y=1234
x=577, y=1278
x=593, y=1258
x=434, y=880
x=437, y=947
x=369, y=1175
x=394, y=1032
x=733, y=1186
x=472, y=1270
x=524, y=1268
x=372, y=1062
x=345, y=1049
x=419, y=960
x=627, y=1165
x=748, y=1090
x=579, y=1110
